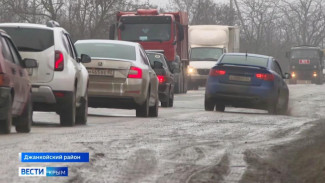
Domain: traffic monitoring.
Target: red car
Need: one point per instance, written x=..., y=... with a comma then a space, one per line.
x=15, y=88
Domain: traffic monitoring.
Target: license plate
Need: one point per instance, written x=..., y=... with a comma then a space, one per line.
x=100, y=72
x=239, y=78
x=304, y=61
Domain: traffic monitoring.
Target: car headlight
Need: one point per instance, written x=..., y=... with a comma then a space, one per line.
x=191, y=70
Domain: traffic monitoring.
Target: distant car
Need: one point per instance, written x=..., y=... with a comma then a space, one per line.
x=120, y=76
x=165, y=78
x=60, y=81
x=15, y=88
x=248, y=81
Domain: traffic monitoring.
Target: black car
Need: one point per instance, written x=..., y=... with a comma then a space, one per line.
x=165, y=77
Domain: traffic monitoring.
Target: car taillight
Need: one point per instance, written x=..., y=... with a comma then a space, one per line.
x=1, y=79
x=161, y=79
x=59, y=61
x=216, y=72
x=135, y=73
x=265, y=77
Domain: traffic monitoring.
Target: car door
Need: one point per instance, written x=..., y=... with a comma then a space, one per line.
x=152, y=76
x=13, y=70
x=282, y=84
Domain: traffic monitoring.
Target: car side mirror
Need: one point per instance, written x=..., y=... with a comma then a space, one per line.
x=30, y=63
x=287, y=76
x=85, y=58
x=157, y=65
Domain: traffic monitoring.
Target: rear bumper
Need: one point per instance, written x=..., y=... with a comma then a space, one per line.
x=197, y=79
x=43, y=94
x=113, y=102
x=4, y=94
x=241, y=95
x=57, y=105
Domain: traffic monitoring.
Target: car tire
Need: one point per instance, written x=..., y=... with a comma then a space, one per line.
x=171, y=99
x=143, y=110
x=220, y=107
x=284, y=108
x=153, y=111
x=273, y=106
x=166, y=103
x=5, y=124
x=24, y=122
x=209, y=105
x=82, y=111
x=68, y=113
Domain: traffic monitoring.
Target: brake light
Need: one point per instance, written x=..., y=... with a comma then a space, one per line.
x=265, y=77
x=135, y=73
x=59, y=61
x=161, y=79
x=1, y=79
x=59, y=94
x=216, y=72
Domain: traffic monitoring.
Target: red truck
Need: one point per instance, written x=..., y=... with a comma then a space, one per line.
x=166, y=33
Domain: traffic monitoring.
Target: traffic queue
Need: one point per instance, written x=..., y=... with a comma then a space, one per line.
x=41, y=69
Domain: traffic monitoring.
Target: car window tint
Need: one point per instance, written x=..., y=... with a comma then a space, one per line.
x=6, y=51
x=243, y=60
x=66, y=44
x=144, y=57
x=277, y=68
x=72, y=48
x=14, y=53
x=156, y=57
x=31, y=39
x=107, y=50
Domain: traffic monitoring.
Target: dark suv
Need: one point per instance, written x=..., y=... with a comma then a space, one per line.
x=15, y=88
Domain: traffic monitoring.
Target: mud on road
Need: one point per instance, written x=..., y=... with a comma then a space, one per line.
x=184, y=144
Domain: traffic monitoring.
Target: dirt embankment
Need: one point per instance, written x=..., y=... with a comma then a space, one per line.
x=301, y=161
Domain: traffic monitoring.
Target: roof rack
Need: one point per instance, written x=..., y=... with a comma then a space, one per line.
x=52, y=23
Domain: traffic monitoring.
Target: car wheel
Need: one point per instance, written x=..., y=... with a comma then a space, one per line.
x=171, y=99
x=166, y=103
x=5, y=124
x=82, y=111
x=209, y=105
x=284, y=108
x=220, y=107
x=143, y=110
x=24, y=122
x=272, y=106
x=153, y=111
x=68, y=113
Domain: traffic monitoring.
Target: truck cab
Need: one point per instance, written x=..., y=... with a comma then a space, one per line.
x=306, y=63
x=206, y=44
x=165, y=33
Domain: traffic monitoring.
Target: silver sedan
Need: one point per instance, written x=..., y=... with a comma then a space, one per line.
x=120, y=76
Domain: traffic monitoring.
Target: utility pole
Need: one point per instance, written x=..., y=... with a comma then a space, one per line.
x=232, y=13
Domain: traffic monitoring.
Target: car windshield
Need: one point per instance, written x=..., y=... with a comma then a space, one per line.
x=243, y=60
x=206, y=54
x=107, y=50
x=31, y=39
x=146, y=32
x=307, y=53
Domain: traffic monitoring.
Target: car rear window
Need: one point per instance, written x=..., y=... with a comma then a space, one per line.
x=31, y=39
x=107, y=50
x=156, y=57
x=243, y=60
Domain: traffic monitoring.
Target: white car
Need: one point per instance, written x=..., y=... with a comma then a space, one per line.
x=60, y=81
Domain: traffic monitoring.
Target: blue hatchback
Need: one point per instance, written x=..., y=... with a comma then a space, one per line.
x=247, y=81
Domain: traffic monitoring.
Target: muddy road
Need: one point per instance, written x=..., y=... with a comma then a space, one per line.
x=184, y=144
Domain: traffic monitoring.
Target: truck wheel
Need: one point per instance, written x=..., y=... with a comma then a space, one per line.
x=319, y=80
x=153, y=111
x=209, y=105
x=143, y=110
x=68, y=112
x=293, y=81
x=5, y=124
x=82, y=111
x=185, y=81
x=24, y=122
